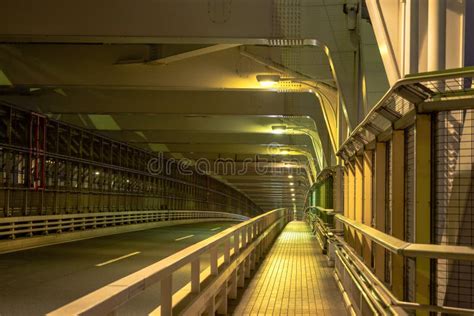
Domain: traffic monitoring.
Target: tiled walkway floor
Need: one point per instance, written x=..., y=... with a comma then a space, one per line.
x=294, y=279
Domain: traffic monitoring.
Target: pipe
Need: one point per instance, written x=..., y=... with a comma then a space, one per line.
x=436, y=35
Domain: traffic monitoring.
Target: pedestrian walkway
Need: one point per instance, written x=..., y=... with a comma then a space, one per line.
x=294, y=279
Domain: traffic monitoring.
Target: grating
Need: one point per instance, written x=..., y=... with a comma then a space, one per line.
x=388, y=211
x=410, y=263
x=452, y=85
x=454, y=207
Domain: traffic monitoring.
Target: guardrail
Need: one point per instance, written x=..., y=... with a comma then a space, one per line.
x=321, y=221
x=427, y=92
x=11, y=227
x=244, y=245
x=407, y=249
x=399, y=247
x=370, y=289
x=369, y=294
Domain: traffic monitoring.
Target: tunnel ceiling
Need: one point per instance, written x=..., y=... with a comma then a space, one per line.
x=195, y=101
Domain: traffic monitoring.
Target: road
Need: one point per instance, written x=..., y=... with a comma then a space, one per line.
x=40, y=280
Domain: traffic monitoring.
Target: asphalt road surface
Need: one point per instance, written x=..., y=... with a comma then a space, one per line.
x=40, y=280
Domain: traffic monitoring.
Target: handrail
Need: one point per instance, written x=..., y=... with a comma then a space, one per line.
x=388, y=297
x=109, y=297
x=465, y=72
x=321, y=209
x=29, y=225
x=408, y=249
x=399, y=247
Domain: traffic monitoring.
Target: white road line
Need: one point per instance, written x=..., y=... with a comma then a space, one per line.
x=117, y=259
x=216, y=228
x=185, y=237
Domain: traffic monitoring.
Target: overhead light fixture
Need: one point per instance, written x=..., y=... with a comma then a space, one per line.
x=278, y=129
x=291, y=183
x=293, y=199
x=268, y=81
x=290, y=176
x=97, y=173
x=292, y=189
x=292, y=194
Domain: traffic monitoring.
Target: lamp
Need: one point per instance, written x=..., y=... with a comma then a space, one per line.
x=284, y=151
x=268, y=81
x=278, y=129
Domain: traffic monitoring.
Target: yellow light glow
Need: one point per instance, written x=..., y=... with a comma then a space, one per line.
x=284, y=152
x=290, y=177
x=267, y=84
x=292, y=194
x=292, y=189
x=278, y=129
x=268, y=81
x=291, y=183
x=293, y=199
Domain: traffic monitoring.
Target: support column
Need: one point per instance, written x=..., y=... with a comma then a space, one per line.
x=350, y=200
x=379, y=194
x=398, y=207
x=345, y=200
x=358, y=199
x=367, y=219
x=346, y=190
x=338, y=202
x=423, y=220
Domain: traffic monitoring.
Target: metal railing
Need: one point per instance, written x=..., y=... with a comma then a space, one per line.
x=403, y=248
x=321, y=221
x=367, y=292
x=243, y=244
x=383, y=301
x=12, y=227
x=423, y=92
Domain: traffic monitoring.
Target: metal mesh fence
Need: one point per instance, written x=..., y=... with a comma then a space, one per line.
x=388, y=211
x=410, y=210
x=453, y=209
